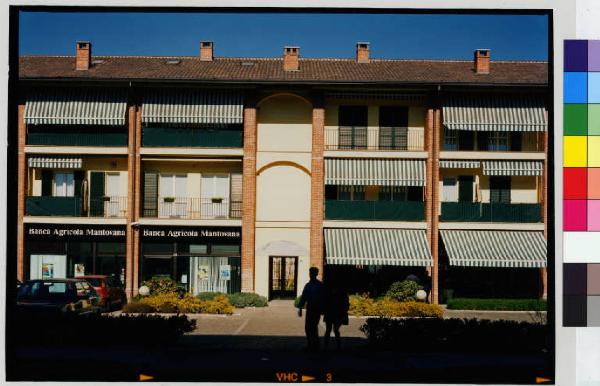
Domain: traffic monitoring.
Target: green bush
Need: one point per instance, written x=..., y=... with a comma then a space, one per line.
x=403, y=291
x=135, y=307
x=247, y=299
x=161, y=285
x=208, y=295
x=497, y=304
x=172, y=303
x=362, y=305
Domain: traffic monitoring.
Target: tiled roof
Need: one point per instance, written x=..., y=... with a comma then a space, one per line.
x=271, y=70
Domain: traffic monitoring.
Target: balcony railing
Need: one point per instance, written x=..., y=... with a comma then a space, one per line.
x=191, y=137
x=375, y=210
x=372, y=138
x=491, y=212
x=195, y=208
x=110, y=206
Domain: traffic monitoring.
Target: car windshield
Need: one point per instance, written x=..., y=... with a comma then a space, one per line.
x=94, y=281
x=45, y=291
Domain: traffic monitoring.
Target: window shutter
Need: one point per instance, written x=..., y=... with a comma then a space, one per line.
x=236, y=195
x=150, y=200
x=96, y=193
x=78, y=176
x=46, y=182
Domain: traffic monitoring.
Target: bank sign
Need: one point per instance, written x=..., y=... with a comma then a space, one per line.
x=77, y=231
x=191, y=233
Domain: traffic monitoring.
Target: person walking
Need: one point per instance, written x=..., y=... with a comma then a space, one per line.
x=336, y=313
x=312, y=297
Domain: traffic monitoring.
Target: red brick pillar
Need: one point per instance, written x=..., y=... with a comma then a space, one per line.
x=130, y=200
x=429, y=181
x=137, y=200
x=435, y=203
x=544, y=271
x=317, y=189
x=249, y=199
x=21, y=193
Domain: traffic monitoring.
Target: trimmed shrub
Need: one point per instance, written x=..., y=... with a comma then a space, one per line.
x=160, y=286
x=208, y=295
x=219, y=305
x=460, y=335
x=136, y=307
x=247, y=299
x=403, y=291
x=171, y=303
x=498, y=304
x=362, y=305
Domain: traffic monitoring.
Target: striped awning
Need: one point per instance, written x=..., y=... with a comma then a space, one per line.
x=55, y=162
x=508, y=249
x=459, y=164
x=406, y=247
x=76, y=106
x=512, y=168
x=495, y=113
x=193, y=106
x=382, y=172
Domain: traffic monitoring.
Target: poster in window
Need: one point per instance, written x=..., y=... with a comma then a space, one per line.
x=47, y=271
x=225, y=272
x=79, y=270
x=203, y=272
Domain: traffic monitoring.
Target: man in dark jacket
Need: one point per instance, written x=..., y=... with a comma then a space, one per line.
x=313, y=297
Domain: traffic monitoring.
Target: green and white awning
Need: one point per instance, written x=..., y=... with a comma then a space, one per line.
x=382, y=172
x=495, y=113
x=55, y=162
x=76, y=106
x=407, y=247
x=513, y=168
x=192, y=107
x=459, y=164
x=506, y=249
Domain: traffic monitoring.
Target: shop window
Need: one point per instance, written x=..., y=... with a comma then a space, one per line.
x=111, y=247
x=231, y=249
x=157, y=248
x=198, y=249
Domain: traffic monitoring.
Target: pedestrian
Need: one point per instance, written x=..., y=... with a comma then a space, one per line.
x=336, y=313
x=312, y=296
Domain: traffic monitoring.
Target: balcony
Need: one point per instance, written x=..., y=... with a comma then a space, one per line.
x=194, y=208
x=191, y=137
x=490, y=212
x=75, y=136
x=107, y=207
x=375, y=210
x=373, y=139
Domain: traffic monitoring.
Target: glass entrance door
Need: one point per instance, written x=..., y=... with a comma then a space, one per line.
x=283, y=274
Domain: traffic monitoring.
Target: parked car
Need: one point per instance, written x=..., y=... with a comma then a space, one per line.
x=55, y=296
x=109, y=289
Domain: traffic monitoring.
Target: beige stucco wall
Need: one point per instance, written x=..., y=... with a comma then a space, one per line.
x=283, y=163
x=524, y=189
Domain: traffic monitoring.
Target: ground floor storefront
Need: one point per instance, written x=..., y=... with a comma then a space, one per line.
x=199, y=259
x=67, y=251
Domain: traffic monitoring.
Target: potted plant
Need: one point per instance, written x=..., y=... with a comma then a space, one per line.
x=216, y=200
x=169, y=199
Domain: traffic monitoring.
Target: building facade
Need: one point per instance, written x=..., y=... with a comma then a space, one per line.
x=238, y=174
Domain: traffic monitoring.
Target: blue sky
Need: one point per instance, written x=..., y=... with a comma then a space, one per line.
x=510, y=37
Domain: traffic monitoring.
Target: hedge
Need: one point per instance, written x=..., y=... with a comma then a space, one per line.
x=361, y=305
x=100, y=330
x=172, y=303
x=462, y=335
x=497, y=304
x=238, y=300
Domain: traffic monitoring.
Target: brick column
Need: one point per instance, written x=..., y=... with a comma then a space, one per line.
x=435, y=199
x=429, y=182
x=544, y=271
x=249, y=199
x=130, y=200
x=21, y=193
x=137, y=200
x=317, y=184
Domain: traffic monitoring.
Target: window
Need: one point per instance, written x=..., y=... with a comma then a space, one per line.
x=498, y=141
x=215, y=185
x=64, y=185
x=450, y=140
x=173, y=200
x=354, y=193
x=393, y=193
x=393, y=127
x=353, y=122
x=500, y=189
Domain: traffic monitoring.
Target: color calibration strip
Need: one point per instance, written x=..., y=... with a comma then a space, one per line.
x=581, y=184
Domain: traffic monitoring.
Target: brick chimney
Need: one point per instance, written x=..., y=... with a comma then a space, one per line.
x=206, y=51
x=83, y=55
x=291, y=58
x=482, y=61
x=362, y=52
